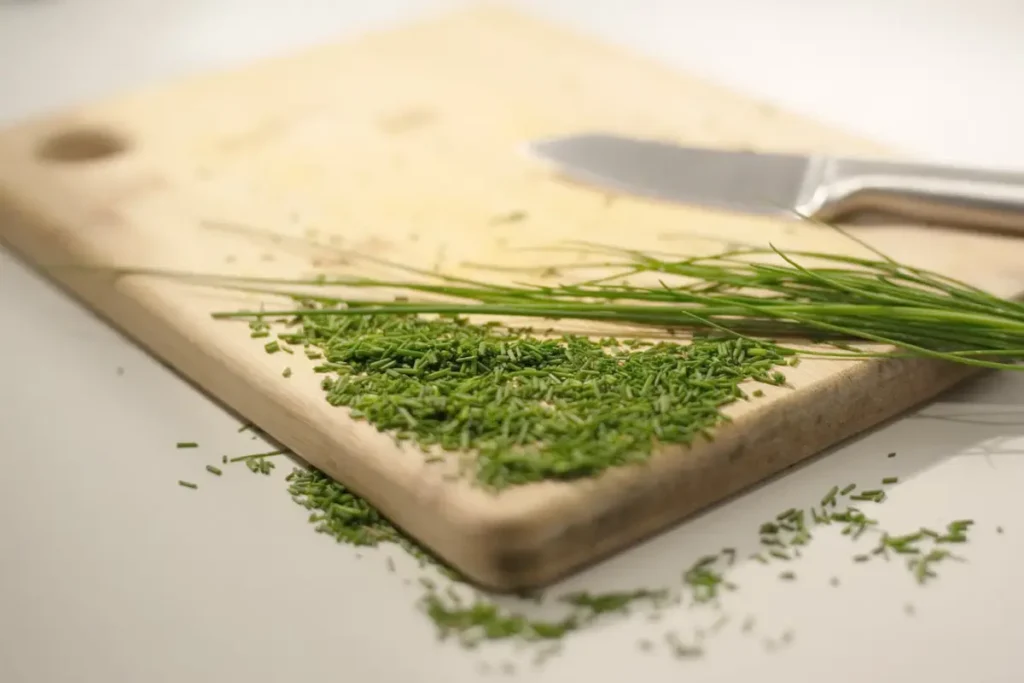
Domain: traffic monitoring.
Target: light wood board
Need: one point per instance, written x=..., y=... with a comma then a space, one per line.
x=405, y=145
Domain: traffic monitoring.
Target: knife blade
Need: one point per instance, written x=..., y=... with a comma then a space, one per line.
x=826, y=188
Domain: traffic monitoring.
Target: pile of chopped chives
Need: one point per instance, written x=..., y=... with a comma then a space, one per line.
x=531, y=409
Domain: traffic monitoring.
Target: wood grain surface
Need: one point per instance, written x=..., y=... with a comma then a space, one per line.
x=406, y=145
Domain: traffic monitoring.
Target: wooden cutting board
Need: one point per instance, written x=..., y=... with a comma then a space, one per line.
x=405, y=144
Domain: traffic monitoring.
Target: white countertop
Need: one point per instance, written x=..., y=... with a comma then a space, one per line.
x=110, y=572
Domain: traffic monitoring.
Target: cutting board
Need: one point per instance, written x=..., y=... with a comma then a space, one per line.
x=405, y=145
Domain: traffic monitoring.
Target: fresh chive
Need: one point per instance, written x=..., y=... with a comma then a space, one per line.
x=255, y=456
x=186, y=444
x=890, y=480
x=187, y=484
x=214, y=470
x=846, y=489
x=830, y=497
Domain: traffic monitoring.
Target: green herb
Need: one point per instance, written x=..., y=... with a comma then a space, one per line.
x=847, y=489
x=891, y=455
x=830, y=497
x=532, y=409
x=762, y=293
x=786, y=515
x=255, y=456
x=890, y=480
x=259, y=465
x=875, y=496
x=287, y=372
x=186, y=444
x=704, y=580
x=272, y=347
x=787, y=576
x=214, y=470
x=611, y=602
x=187, y=484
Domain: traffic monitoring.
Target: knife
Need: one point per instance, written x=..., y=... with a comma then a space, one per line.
x=825, y=188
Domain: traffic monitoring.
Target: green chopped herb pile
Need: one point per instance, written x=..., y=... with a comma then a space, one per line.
x=532, y=409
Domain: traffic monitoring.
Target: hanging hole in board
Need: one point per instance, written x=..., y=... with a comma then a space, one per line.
x=82, y=145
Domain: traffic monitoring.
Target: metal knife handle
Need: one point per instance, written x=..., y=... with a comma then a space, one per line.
x=982, y=199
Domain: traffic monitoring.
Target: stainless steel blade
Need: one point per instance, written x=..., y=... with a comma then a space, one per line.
x=740, y=181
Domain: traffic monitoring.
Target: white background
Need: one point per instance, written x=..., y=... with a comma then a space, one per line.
x=110, y=572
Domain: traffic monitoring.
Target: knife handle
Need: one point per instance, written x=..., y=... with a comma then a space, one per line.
x=992, y=200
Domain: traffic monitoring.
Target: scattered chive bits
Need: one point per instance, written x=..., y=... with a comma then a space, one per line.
x=890, y=480
x=186, y=444
x=339, y=513
x=259, y=465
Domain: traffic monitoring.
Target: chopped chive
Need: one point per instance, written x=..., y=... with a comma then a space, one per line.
x=187, y=484
x=186, y=444
x=255, y=456
x=848, y=488
x=287, y=372
x=830, y=497
x=214, y=470
x=890, y=480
